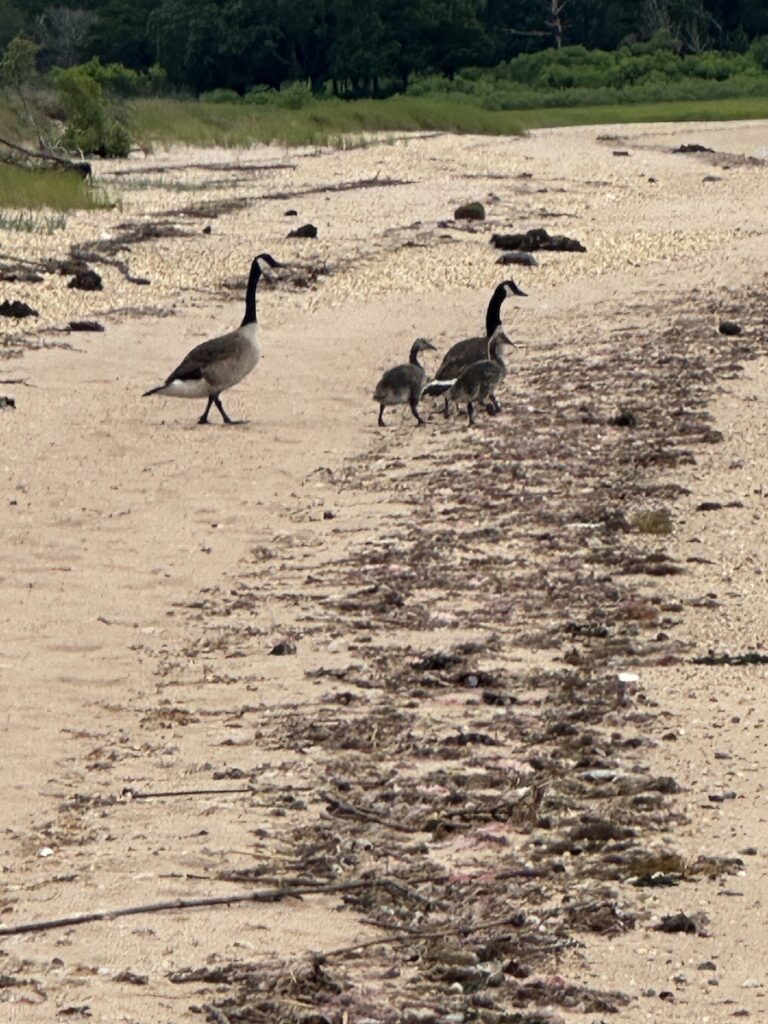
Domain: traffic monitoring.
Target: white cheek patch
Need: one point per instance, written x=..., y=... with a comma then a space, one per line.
x=187, y=389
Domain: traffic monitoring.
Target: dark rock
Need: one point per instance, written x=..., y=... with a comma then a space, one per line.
x=328, y=514
x=469, y=211
x=86, y=280
x=6, y=402
x=689, y=924
x=16, y=309
x=291, y=213
x=621, y=152
x=729, y=327
x=22, y=276
x=693, y=147
x=305, y=231
x=85, y=325
x=623, y=418
x=207, y=229
x=711, y=177
x=535, y=239
x=524, y=259
x=284, y=647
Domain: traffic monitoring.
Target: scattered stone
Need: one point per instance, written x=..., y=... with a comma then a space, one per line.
x=131, y=978
x=305, y=231
x=535, y=239
x=711, y=177
x=291, y=213
x=749, y=851
x=470, y=211
x=207, y=229
x=693, y=147
x=20, y=276
x=623, y=418
x=690, y=924
x=284, y=647
x=328, y=514
x=86, y=280
x=729, y=327
x=523, y=259
x=16, y=309
x=6, y=402
x=621, y=152
x=719, y=798
x=85, y=325
x=707, y=965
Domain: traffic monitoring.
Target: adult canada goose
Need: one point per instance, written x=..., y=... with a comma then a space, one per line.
x=477, y=383
x=218, y=364
x=471, y=350
x=403, y=383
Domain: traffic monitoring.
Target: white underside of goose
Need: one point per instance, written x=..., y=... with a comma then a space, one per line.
x=187, y=389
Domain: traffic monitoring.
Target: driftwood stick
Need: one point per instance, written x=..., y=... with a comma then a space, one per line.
x=335, y=804
x=258, y=896
x=417, y=935
x=136, y=795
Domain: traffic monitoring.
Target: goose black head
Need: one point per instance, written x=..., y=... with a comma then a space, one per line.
x=419, y=346
x=510, y=288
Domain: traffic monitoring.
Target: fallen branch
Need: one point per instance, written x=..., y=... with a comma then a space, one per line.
x=136, y=795
x=356, y=812
x=263, y=896
x=80, y=167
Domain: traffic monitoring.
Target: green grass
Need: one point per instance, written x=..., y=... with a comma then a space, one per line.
x=25, y=189
x=735, y=109
x=319, y=122
x=330, y=122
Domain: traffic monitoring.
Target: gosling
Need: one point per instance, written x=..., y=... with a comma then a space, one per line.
x=220, y=363
x=478, y=382
x=404, y=383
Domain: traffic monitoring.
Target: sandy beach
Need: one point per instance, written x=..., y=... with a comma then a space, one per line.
x=150, y=566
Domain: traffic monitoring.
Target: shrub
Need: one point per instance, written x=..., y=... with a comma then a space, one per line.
x=91, y=128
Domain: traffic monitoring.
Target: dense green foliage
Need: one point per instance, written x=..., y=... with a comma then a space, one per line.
x=438, y=63
x=363, y=47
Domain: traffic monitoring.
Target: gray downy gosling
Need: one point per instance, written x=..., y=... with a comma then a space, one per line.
x=478, y=382
x=404, y=383
x=220, y=363
x=471, y=350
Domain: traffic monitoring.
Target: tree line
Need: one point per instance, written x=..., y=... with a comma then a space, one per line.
x=356, y=47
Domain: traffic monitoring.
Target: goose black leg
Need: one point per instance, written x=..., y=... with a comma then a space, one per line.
x=471, y=414
x=414, y=404
x=494, y=406
x=204, y=417
x=446, y=408
x=227, y=419
x=381, y=416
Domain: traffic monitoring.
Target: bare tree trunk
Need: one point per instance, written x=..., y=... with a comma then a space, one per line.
x=555, y=9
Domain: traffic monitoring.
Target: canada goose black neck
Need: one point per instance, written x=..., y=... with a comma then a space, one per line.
x=250, y=293
x=253, y=280
x=414, y=356
x=493, y=313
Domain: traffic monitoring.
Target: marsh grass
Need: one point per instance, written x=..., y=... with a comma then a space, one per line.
x=26, y=189
x=317, y=123
x=332, y=122
x=33, y=221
